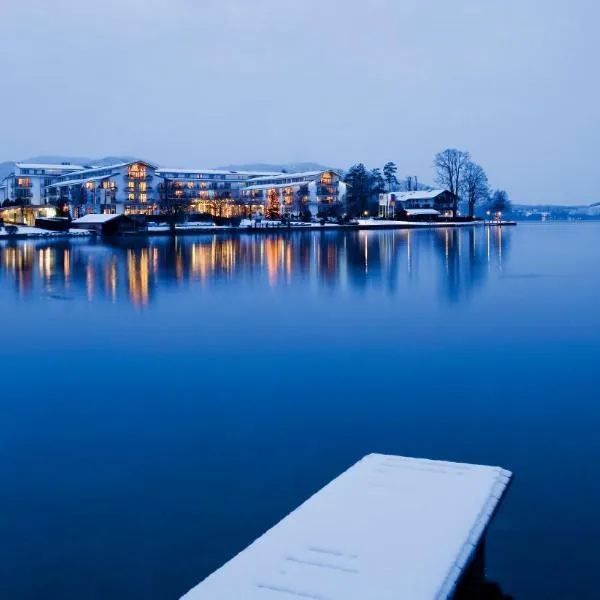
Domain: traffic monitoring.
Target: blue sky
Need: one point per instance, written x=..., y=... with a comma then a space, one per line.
x=203, y=83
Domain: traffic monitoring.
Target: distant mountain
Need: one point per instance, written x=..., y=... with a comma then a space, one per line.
x=6, y=168
x=278, y=168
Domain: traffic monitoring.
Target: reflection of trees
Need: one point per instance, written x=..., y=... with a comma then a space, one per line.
x=467, y=255
x=133, y=268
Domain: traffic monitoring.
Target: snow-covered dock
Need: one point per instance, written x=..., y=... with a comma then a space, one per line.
x=388, y=528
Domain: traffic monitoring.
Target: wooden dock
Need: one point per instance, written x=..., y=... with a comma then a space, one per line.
x=388, y=528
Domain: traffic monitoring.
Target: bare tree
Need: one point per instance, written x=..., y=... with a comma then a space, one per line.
x=474, y=185
x=450, y=165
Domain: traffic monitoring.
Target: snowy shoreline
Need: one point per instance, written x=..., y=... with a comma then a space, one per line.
x=26, y=232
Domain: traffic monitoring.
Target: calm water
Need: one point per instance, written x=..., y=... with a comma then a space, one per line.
x=164, y=402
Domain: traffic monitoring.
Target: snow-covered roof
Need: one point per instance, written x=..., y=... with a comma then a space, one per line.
x=388, y=528
x=414, y=212
x=268, y=186
x=91, y=171
x=162, y=170
x=418, y=195
x=52, y=167
x=79, y=181
x=96, y=218
x=304, y=175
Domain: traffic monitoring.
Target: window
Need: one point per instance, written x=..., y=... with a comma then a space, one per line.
x=143, y=186
x=143, y=197
x=137, y=171
x=131, y=185
x=131, y=197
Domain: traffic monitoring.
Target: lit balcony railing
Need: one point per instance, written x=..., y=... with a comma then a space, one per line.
x=138, y=177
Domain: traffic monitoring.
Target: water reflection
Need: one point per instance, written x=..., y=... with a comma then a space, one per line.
x=458, y=260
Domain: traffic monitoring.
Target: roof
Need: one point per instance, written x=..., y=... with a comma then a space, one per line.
x=304, y=174
x=96, y=218
x=268, y=186
x=422, y=211
x=179, y=170
x=79, y=181
x=390, y=527
x=92, y=170
x=418, y=195
x=49, y=166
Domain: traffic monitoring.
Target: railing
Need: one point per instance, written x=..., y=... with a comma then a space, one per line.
x=326, y=190
x=138, y=178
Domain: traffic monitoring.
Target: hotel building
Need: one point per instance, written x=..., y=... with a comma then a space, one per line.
x=293, y=193
x=123, y=188
x=139, y=187
x=207, y=191
x=24, y=193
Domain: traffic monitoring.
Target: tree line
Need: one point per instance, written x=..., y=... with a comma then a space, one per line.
x=455, y=171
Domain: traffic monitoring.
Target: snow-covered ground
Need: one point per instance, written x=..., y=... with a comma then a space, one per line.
x=26, y=231
x=390, y=223
x=390, y=527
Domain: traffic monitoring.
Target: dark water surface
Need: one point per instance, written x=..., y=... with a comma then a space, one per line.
x=163, y=402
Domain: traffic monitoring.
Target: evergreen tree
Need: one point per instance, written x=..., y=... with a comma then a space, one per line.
x=358, y=180
x=389, y=174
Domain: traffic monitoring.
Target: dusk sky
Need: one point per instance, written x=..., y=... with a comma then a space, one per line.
x=204, y=83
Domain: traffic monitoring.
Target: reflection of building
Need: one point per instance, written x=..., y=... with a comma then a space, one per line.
x=293, y=193
x=391, y=203
x=24, y=193
x=457, y=260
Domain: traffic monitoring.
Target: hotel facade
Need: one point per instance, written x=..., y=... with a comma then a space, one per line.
x=141, y=188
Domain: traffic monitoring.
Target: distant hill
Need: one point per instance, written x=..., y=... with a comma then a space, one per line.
x=278, y=168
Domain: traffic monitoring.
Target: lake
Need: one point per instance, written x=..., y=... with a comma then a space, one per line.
x=164, y=401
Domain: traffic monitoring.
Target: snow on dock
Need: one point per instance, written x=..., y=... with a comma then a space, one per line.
x=389, y=527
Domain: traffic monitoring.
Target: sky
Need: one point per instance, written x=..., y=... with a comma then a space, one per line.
x=202, y=83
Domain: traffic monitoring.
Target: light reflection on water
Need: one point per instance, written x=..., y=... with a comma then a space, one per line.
x=165, y=401
x=135, y=269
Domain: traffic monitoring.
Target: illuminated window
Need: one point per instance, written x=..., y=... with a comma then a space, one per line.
x=143, y=197
x=143, y=186
x=137, y=171
x=23, y=181
x=89, y=185
x=131, y=185
x=131, y=197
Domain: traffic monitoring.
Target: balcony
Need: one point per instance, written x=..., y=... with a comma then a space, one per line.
x=327, y=190
x=138, y=178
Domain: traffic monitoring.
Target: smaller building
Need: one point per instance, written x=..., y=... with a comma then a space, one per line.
x=24, y=193
x=392, y=203
x=106, y=224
